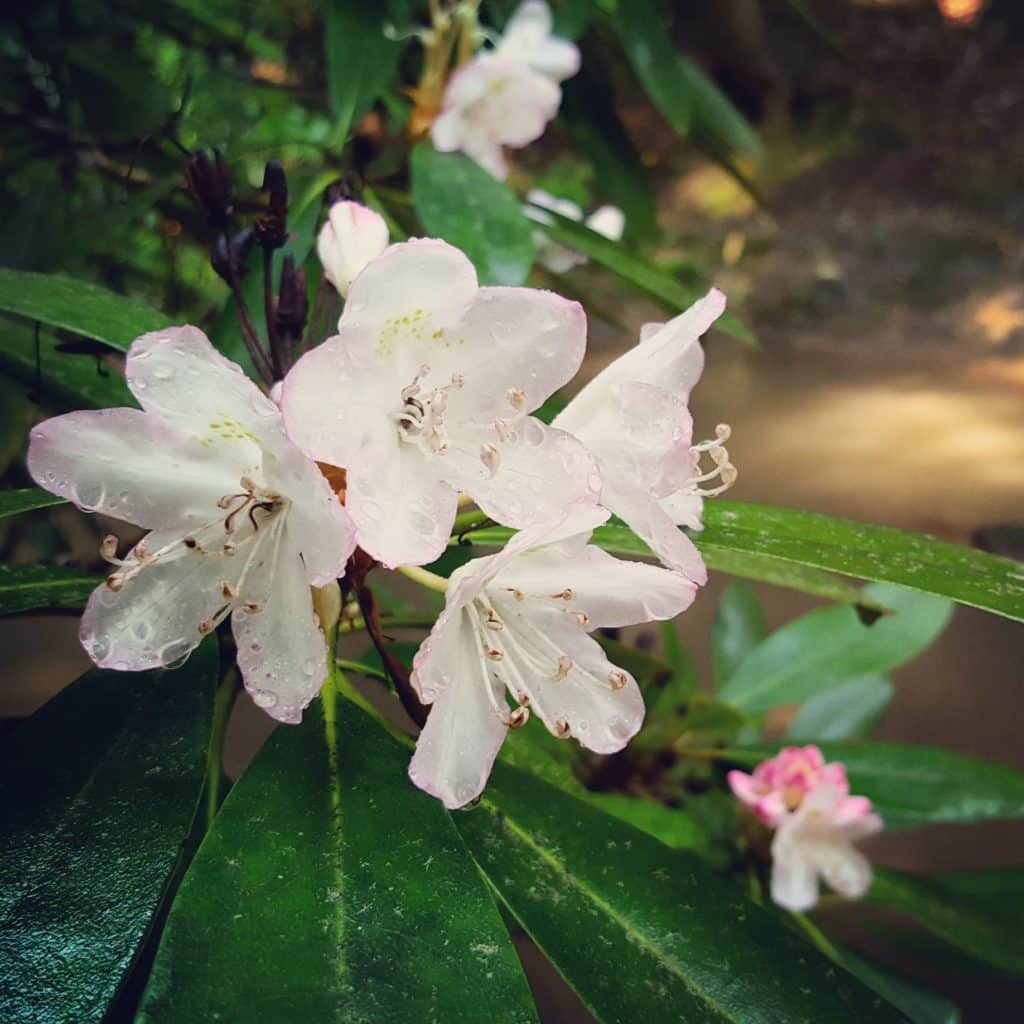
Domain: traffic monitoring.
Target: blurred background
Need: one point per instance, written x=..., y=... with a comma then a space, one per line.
x=877, y=252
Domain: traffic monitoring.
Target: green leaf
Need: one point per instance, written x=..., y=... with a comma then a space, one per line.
x=845, y=712
x=99, y=790
x=738, y=628
x=683, y=681
x=911, y=785
x=17, y=413
x=637, y=271
x=878, y=553
x=362, y=60
x=65, y=379
x=641, y=931
x=921, y=1005
x=26, y=499
x=329, y=889
x=669, y=825
x=79, y=306
x=817, y=651
x=460, y=202
x=991, y=934
x=25, y=588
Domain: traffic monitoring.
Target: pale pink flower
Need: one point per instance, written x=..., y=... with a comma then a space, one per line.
x=633, y=416
x=425, y=393
x=528, y=39
x=779, y=785
x=352, y=235
x=608, y=221
x=815, y=842
x=517, y=622
x=494, y=102
x=241, y=523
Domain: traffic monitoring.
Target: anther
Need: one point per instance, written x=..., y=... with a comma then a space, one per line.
x=617, y=679
x=519, y=718
x=495, y=655
x=206, y=627
x=252, y=607
x=565, y=595
x=564, y=667
x=516, y=398
x=108, y=548
x=458, y=381
x=517, y=594
x=490, y=457
x=191, y=543
x=582, y=618
x=115, y=581
x=228, y=590
x=229, y=548
x=562, y=730
x=493, y=622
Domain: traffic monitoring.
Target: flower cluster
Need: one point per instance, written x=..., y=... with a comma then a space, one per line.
x=807, y=803
x=422, y=398
x=506, y=96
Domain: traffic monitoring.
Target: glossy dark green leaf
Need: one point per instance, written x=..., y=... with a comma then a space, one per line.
x=738, y=628
x=992, y=934
x=99, y=790
x=682, y=682
x=17, y=413
x=911, y=785
x=329, y=889
x=362, y=59
x=25, y=588
x=642, y=932
x=460, y=202
x=817, y=651
x=26, y=499
x=921, y=1005
x=878, y=553
x=67, y=380
x=669, y=825
x=845, y=712
x=640, y=273
x=79, y=306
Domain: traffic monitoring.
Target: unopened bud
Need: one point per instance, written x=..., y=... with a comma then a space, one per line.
x=228, y=256
x=327, y=605
x=292, y=302
x=352, y=236
x=209, y=185
x=272, y=227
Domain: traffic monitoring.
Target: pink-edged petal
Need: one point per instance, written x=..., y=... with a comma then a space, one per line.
x=407, y=300
x=519, y=342
x=352, y=236
x=794, y=884
x=177, y=375
x=129, y=465
x=282, y=653
x=645, y=517
x=541, y=474
x=608, y=591
x=565, y=676
x=402, y=511
x=684, y=508
x=527, y=38
x=457, y=747
x=335, y=396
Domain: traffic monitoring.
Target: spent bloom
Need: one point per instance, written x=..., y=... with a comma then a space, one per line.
x=608, y=221
x=240, y=522
x=816, y=820
x=634, y=419
x=425, y=392
x=517, y=622
x=351, y=237
x=528, y=39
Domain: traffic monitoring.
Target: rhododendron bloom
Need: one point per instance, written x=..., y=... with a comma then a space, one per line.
x=816, y=842
x=778, y=785
x=528, y=39
x=240, y=522
x=633, y=417
x=608, y=221
x=425, y=392
x=352, y=235
x=493, y=102
x=517, y=621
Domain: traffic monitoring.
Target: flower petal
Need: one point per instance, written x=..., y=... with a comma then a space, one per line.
x=527, y=38
x=608, y=221
x=282, y=653
x=127, y=464
x=794, y=880
x=351, y=237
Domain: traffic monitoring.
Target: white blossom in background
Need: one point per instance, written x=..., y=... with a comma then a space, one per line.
x=634, y=419
x=528, y=39
x=517, y=622
x=426, y=391
x=608, y=221
x=491, y=103
x=351, y=237
x=240, y=522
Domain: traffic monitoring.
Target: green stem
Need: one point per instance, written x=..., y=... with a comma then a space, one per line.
x=361, y=669
x=817, y=937
x=424, y=577
x=468, y=521
x=390, y=622
x=223, y=700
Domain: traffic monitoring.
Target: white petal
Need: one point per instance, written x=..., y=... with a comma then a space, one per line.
x=539, y=197
x=458, y=745
x=608, y=221
x=684, y=508
x=599, y=704
x=282, y=653
x=846, y=870
x=609, y=591
x=352, y=236
x=794, y=881
x=527, y=38
x=127, y=464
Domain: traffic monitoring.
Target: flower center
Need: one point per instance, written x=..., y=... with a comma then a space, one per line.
x=421, y=417
x=722, y=471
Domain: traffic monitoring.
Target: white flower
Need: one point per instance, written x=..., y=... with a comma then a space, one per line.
x=816, y=841
x=518, y=622
x=527, y=39
x=633, y=417
x=352, y=235
x=608, y=221
x=494, y=102
x=240, y=521
x=425, y=393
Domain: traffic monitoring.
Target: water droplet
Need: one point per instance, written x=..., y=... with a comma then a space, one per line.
x=264, y=698
x=162, y=372
x=142, y=629
x=98, y=646
x=533, y=432
x=619, y=729
x=90, y=495
x=175, y=653
x=308, y=667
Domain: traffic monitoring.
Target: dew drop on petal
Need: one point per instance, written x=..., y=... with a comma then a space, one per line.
x=264, y=698
x=619, y=729
x=163, y=372
x=174, y=654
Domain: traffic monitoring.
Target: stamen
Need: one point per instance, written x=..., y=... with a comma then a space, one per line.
x=565, y=595
x=516, y=398
x=228, y=590
x=617, y=679
x=108, y=549
x=493, y=622
x=206, y=627
x=582, y=618
x=724, y=470
x=519, y=717
x=562, y=730
x=191, y=543
x=490, y=457
x=253, y=607
x=517, y=594
x=494, y=655
x=115, y=581
x=563, y=668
